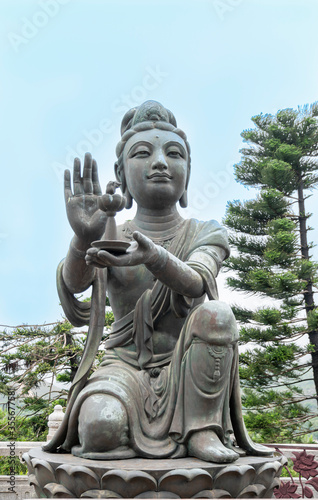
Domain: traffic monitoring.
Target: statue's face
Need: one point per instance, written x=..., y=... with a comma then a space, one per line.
x=156, y=168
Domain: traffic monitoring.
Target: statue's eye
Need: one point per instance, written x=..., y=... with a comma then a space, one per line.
x=142, y=153
x=175, y=154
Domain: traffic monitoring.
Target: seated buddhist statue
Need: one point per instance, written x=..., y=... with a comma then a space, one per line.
x=168, y=383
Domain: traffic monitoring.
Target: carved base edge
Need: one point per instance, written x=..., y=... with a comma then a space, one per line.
x=65, y=476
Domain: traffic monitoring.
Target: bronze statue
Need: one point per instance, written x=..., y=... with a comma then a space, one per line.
x=168, y=384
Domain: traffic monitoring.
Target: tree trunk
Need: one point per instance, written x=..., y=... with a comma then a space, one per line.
x=308, y=294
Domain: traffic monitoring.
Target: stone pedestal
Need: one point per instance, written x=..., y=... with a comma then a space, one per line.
x=66, y=476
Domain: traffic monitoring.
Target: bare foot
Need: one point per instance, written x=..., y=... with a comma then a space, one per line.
x=207, y=446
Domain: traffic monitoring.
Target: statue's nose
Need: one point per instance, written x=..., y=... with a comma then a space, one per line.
x=159, y=162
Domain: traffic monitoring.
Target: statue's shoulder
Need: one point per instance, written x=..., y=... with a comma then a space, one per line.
x=208, y=225
x=206, y=233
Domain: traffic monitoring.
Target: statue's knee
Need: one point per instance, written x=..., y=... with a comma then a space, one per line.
x=214, y=322
x=102, y=423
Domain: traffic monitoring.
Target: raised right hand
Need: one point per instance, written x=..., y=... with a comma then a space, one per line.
x=82, y=205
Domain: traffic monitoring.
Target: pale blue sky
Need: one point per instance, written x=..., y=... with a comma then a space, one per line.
x=70, y=69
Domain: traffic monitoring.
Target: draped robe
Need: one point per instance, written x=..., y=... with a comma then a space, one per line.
x=168, y=395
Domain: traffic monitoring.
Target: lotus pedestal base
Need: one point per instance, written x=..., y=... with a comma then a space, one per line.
x=66, y=476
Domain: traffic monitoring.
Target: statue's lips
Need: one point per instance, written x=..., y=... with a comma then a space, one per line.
x=159, y=176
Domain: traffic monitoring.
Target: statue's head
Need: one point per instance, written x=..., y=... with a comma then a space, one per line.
x=154, y=126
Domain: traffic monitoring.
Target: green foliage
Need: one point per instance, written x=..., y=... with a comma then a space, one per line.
x=280, y=160
x=31, y=354
x=30, y=422
x=253, y=216
x=9, y=465
x=313, y=319
x=109, y=319
x=268, y=316
x=34, y=358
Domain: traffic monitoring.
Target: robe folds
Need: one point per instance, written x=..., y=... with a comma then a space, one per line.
x=170, y=395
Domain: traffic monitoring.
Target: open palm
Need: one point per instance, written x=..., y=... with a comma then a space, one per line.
x=82, y=204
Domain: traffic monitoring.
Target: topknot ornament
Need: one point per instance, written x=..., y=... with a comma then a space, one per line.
x=149, y=111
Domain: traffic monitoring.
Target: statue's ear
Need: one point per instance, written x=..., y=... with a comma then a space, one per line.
x=120, y=176
x=184, y=198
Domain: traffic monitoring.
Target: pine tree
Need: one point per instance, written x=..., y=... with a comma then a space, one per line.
x=32, y=355
x=272, y=259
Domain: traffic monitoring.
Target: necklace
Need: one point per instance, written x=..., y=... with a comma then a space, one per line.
x=164, y=240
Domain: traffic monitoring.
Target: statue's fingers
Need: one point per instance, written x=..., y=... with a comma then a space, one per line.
x=96, y=185
x=93, y=260
x=67, y=186
x=91, y=252
x=77, y=181
x=142, y=240
x=87, y=174
x=133, y=246
x=106, y=258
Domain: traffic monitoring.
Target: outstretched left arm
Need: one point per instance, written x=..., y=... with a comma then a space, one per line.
x=164, y=266
x=175, y=274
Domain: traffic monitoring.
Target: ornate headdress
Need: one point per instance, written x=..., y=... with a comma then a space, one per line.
x=150, y=114
x=147, y=116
